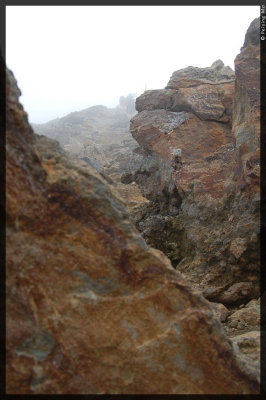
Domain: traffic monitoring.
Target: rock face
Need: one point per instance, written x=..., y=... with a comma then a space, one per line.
x=246, y=123
x=90, y=308
x=198, y=164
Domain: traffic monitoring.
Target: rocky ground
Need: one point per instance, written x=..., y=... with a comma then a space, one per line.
x=241, y=322
x=196, y=164
x=85, y=291
x=90, y=307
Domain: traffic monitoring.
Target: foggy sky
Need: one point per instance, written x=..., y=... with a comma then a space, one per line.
x=68, y=58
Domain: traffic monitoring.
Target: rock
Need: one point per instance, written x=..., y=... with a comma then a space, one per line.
x=212, y=292
x=136, y=204
x=252, y=37
x=90, y=308
x=204, y=101
x=254, y=303
x=221, y=311
x=161, y=131
x=155, y=99
x=237, y=247
x=198, y=163
x=250, y=315
x=246, y=124
x=238, y=292
x=249, y=347
x=248, y=339
x=127, y=178
x=216, y=74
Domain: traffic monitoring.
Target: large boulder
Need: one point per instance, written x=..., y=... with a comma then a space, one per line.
x=184, y=120
x=90, y=308
x=216, y=74
x=207, y=98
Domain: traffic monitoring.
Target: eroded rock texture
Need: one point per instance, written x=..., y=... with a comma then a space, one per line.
x=90, y=308
x=198, y=163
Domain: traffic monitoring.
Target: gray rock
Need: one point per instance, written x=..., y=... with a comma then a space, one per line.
x=216, y=74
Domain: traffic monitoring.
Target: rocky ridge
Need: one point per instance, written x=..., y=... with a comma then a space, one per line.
x=98, y=135
x=91, y=309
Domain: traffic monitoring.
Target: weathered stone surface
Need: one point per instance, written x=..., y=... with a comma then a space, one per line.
x=206, y=92
x=239, y=292
x=162, y=131
x=155, y=99
x=252, y=37
x=204, y=174
x=248, y=344
x=179, y=127
x=237, y=247
x=246, y=124
x=133, y=199
x=248, y=315
x=204, y=101
x=90, y=308
x=216, y=74
x=221, y=311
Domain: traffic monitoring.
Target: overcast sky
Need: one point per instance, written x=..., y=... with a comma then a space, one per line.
x=67, y=58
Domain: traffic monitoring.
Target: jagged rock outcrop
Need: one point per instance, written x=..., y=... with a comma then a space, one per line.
x=90, y=308
x=181, y=141
x=207, y=92
x=198, y=163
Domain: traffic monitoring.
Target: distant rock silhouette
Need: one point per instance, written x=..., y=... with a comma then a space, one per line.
x=98, y=135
